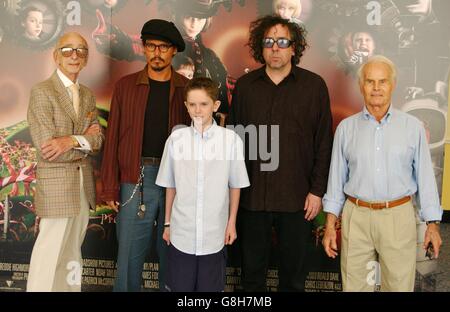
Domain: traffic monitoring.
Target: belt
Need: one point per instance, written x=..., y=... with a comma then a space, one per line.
x=151, y=161
x=380, y=205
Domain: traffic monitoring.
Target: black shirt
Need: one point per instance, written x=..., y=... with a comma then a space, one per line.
x=156, y=119
x=300, y=105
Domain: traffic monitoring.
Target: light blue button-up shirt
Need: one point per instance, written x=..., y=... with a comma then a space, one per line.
x=382, y=161
x=202, y=167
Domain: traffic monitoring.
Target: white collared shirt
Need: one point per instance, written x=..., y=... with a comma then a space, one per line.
x=84, y=144
x=201, y=168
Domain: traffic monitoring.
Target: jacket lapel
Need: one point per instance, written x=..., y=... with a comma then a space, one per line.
x=63, y=97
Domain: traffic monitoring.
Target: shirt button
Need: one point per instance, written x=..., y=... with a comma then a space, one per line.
x=378, y=128
x=378, y=148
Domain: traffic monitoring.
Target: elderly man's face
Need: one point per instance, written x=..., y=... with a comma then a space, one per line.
x=377, y=85
x=71, y=65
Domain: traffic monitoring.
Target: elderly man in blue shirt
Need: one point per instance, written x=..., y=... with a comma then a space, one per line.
x=380, y=163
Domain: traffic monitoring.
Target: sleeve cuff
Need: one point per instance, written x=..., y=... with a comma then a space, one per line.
x=165, y=184
x=84, y=144
x=431, y=214
x=332, y=207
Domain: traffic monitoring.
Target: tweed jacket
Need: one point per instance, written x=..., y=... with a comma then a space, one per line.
x=51, y=115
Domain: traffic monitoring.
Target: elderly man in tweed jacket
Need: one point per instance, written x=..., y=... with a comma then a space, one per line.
x=65, y=131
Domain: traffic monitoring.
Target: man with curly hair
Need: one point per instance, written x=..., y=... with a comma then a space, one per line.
x=282, y=96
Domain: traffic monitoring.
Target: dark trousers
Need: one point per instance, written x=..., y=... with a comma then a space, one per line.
x=293, y=242
x=188, y=273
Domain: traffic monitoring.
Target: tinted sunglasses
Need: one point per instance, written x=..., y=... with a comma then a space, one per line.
x=67, y=52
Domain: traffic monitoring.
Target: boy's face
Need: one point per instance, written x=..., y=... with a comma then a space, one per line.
x=193, y=26
x=33, y=24
x=201, y=107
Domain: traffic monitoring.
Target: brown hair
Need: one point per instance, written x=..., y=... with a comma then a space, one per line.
x=202, y=83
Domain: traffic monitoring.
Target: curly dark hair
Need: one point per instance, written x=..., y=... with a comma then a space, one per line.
x=259, y=28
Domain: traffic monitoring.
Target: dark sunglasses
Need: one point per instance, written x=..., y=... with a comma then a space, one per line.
x=67, y=52
x=282, y=43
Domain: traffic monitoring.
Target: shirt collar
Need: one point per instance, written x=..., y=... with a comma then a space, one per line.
x=66, y=81
x=176, y=78
x=261, y=73
x=386, y=118
x=206, y=134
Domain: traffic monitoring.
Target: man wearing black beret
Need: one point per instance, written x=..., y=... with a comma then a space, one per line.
x=145, y=107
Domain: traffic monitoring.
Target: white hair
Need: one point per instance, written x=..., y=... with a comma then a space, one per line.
x=378, y=59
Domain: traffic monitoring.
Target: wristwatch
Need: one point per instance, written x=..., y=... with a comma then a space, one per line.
x=433, y=222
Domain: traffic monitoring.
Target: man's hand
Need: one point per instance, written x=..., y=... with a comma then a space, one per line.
x=113, y=205
x=433, y=236
x=93, y=130
x=166, y=235
x=313, y=204
x=329, y=242
x=230, y=234
x=53, y=148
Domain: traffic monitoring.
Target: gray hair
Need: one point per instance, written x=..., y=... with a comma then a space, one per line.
x=378, y=59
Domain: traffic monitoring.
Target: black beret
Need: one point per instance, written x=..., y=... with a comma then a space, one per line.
x=163, y=30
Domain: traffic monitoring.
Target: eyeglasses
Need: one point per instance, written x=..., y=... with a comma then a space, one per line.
x=162, y=47
x=81, y=52
x=282, y=43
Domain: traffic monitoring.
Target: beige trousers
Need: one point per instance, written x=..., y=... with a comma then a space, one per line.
x=56, y=262
x=386, y=236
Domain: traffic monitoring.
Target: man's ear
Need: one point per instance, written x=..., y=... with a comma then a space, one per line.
x=216, y=105
x=55, y=56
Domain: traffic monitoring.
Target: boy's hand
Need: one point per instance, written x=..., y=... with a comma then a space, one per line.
x=230, y=234
x=166, y=235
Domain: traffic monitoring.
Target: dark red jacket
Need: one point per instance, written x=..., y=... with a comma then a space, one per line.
x=125, y=131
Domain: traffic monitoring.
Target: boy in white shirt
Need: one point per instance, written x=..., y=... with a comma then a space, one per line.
x=203, y=170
